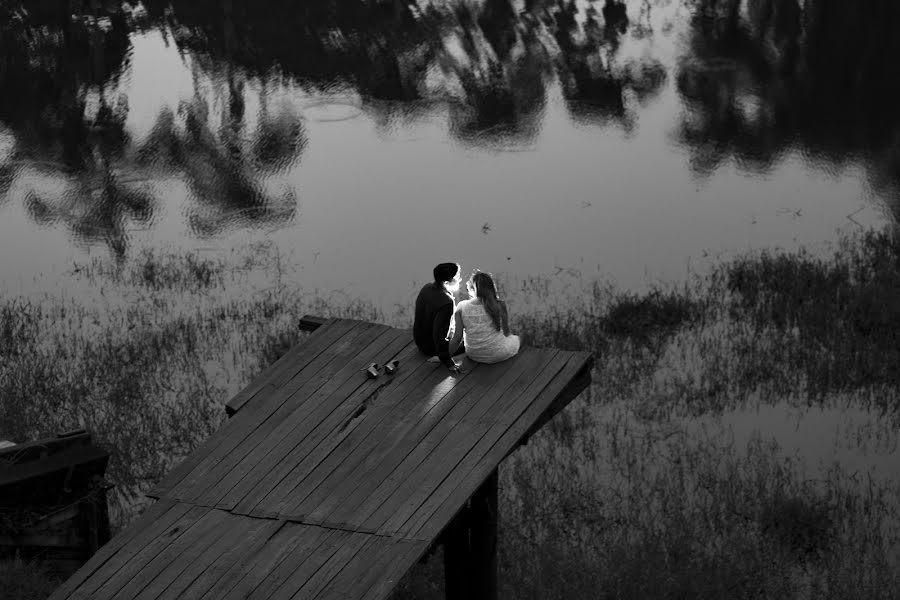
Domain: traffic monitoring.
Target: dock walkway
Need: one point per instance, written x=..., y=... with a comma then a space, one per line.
x=326, y=483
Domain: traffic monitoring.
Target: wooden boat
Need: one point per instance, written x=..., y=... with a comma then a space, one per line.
x=53, y=500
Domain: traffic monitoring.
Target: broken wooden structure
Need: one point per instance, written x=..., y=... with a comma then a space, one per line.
x=53, y=501
x=327, y=483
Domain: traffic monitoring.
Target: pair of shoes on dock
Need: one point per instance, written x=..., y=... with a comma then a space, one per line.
x=390, y=368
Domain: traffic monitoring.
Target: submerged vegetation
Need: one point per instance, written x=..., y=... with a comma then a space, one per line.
x=639, y=489
x=846, y=310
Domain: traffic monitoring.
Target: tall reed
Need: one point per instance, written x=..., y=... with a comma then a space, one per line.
x=638, y=489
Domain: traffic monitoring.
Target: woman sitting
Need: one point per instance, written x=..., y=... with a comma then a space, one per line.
x=482, y=323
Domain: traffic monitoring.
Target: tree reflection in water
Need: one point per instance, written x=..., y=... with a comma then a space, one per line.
x=816, y=76
x=224, y=166
x=67, y=119
x=759, y=78
x=490, y=60
x=493, y=63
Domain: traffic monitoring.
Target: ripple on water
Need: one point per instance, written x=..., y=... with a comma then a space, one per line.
x=332, y=109
x=710, y=64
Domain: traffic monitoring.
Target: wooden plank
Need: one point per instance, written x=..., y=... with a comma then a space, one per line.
x=210, y=469
x=349, y=549
x=401, y=458
x=377, y=551
x=307, y=413
x=295, y=395
x=234, y=427
x=38, y=449
x=268, y=399
x=227, y=431
x=157, y=535
x=291, y=372
x=383, y=585
x=251, y=570
x=205, y=569
x=361, y=440
x=311, y=323
x=333, y=399
x=497, y=435
x=269, y=567
x=379, y=574
x=573, y=389
x=47, y=521
x=196, y=555
x=357, y=472
x=140, y=568
x=28, y=541
x=158, y=515
x=82, y=457
x=428, y=469
x=292, y=360
x=430, y=474
x=303, y=457
x=206, y=530
x=379, y=469
x=281, y=402
x=425, y=523
x=318, y=544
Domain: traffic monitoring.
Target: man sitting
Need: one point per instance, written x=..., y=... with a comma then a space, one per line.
x=434, y=314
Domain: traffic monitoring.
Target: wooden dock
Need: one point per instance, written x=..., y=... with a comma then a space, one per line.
x=326, y=483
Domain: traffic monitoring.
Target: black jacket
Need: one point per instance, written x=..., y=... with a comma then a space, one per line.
x=434, y=312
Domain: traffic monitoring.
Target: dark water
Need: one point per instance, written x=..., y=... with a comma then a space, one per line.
x=370, y=139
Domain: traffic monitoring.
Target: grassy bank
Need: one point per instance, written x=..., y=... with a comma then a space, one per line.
x=637, y=490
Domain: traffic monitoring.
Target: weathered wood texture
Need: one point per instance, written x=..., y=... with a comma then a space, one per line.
x=185, y=551
x=326, y=483
x=68, y=460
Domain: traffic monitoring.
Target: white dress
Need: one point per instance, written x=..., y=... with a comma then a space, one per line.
x=484, y=343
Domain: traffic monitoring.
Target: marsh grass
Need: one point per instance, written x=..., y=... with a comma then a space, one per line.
x=22, y=580
x=636, y=490
x=638, y=510
x=650, y=317
x=844, y=308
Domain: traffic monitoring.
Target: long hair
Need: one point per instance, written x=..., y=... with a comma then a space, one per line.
x=487, y=292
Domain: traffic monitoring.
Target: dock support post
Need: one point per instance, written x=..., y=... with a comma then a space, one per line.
x=470, y=547
x=456, y=557
x=483, y=531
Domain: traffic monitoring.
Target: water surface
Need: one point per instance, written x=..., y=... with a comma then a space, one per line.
x=625, y=141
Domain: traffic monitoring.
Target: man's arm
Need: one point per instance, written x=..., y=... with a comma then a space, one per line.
x=440, y=332
x=457, y=338
x=504, y=318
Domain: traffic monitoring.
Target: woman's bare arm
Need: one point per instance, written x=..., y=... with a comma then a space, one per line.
x=456, y=340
